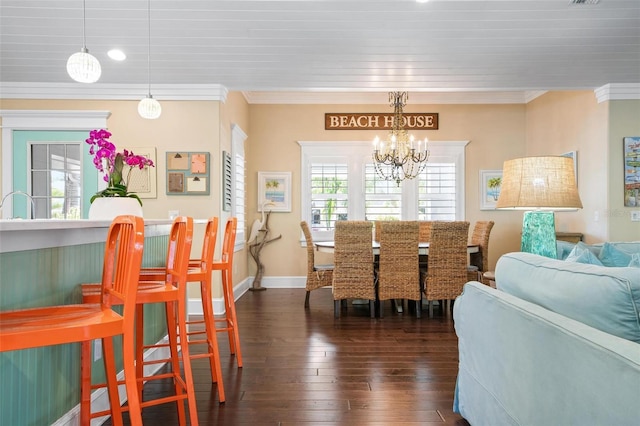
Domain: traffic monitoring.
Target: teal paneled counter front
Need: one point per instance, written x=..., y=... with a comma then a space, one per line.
x=43, y=262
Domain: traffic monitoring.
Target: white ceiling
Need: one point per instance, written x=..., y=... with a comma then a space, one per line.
x=349, y=46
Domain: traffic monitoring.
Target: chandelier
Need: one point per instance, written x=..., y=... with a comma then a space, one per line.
x=400, y=157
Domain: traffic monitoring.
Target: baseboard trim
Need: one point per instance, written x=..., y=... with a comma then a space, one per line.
x=100, y=398
x=194, y=306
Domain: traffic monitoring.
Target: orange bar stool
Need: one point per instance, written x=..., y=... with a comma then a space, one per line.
x=54, y=325
x=200, y=271
x=172, y=292
x=225, y=265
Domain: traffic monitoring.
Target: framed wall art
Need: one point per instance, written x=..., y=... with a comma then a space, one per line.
x=632, y=171
x=490, y=184
x=142, y=182
x=188, y=173
x=274, y=188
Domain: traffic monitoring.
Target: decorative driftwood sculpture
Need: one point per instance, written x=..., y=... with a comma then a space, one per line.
x=261, y=240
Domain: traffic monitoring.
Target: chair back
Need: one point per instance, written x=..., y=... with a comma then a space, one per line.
x=320, y=276
x=447, y=261
x=209, y=244
x=425, y=230
x=377, y=226
x=229, y=241
x=310, y=248
x=353, y=260
x=179, y=250
x=122, y=260
x=399, y=273
x=480, y=237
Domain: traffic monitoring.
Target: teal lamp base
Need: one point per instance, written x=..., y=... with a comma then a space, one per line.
x=539, y=233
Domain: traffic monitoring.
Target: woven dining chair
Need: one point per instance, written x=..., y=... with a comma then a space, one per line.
x=398, y=271
x=377, y=226
x=424, y=236
x=318, y=276
x=424, y=230
x=446, y=271
x=479, y=262
x=353, y=264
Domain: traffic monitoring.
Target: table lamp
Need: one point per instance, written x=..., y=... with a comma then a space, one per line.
x=540, y=185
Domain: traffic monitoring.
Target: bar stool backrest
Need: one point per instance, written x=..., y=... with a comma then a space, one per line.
x=209, y=244
x=179, y=249
x=229, y=240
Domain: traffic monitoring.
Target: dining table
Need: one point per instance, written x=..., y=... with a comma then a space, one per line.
x=423, y=247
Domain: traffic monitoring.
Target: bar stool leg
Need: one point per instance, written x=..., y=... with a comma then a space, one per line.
x=232, y=323
x=212, y=338
x=175, y=360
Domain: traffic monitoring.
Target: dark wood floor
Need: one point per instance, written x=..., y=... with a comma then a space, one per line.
x=304, y=367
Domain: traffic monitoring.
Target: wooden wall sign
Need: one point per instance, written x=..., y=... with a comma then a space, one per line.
x=383, y=121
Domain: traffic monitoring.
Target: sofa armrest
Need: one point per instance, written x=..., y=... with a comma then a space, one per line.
x=521, y=364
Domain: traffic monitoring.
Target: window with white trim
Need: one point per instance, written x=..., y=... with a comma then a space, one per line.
x=339, y=182
x=238, y=188
x=56, y=180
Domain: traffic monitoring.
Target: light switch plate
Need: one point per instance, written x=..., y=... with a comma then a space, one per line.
x=635, y=215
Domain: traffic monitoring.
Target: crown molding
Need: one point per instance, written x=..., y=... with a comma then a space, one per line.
x=618, y=92
x=97, y=91
x=382, y=98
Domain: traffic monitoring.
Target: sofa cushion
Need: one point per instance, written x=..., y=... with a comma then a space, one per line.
x=606, y=298
x=611, y=255
x=563, y=248
x=581, y=253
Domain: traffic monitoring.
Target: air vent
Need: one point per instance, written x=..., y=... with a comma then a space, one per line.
x=584, y=1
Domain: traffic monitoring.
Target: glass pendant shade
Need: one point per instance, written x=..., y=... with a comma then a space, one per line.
x=83, y=67
x=149, y=108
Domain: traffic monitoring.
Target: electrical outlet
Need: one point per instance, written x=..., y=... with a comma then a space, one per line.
x=97, y=350
x=635, y=215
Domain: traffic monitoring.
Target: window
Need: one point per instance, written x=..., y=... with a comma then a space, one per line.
x=238, y=184
x=382, y=198
x=437, y=189
x=56, y=181
x=329, y=192
x=339, y=182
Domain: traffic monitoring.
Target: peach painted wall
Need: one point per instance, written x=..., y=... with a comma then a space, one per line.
x=558, y=122
x=496, y=133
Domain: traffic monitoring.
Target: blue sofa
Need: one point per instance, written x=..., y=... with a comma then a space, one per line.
x=557, y=343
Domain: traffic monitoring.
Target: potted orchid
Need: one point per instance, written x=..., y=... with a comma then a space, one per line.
x=110, y=162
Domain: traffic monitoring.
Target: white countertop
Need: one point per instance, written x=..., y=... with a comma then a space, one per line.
x=32, y=234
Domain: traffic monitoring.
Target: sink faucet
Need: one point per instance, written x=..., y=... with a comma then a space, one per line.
x=33, y=204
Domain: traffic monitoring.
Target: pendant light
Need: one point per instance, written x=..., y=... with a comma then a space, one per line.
x=148, y=107
x=82, y=66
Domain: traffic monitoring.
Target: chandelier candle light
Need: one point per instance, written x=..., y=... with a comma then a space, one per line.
x=401, y=156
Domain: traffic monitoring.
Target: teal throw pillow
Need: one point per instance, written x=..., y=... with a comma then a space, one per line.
x=612, y=256
x=635, y=260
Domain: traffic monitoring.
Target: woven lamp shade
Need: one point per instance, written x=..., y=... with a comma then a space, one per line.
x=543, y=183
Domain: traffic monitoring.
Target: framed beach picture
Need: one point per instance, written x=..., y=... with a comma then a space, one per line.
x=632, y=171
x=274, y=187
x=490, y=184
